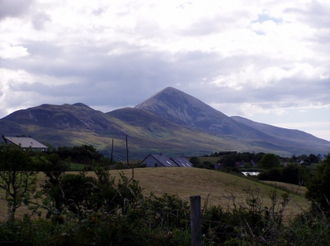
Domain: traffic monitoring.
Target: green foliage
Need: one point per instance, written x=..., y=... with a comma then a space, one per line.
x=249, y=223
x=79, y=193
x=229, y=161
x=195, y=161
x=85, y=154
x=309, y=228
x=233, y=170
x=17, y=177
x=269, y=161
x=296, y=174
x=208, y=165
x=167, y=211
x=54, y=169
x=318, y=187
x=292, y=173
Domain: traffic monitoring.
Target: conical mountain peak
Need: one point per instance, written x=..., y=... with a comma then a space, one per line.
x=184, y=109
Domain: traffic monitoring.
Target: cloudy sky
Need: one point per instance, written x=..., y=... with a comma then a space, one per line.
x=266, y=60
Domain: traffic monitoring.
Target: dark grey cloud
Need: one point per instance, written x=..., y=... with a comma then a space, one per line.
x=118, y=80
x=114, y=79
x=14, y=8
x=39, y=20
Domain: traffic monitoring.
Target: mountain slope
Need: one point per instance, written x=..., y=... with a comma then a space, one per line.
x=171, y=122
x=188, y=111
x=294, y=137
x=156, y=134
x=78, y=124
x=181, y=108
x=59, y=124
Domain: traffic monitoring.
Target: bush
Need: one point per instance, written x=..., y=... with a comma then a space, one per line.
x=318, y=187
x=269, y=161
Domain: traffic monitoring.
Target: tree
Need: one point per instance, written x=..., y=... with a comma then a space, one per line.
x=269, y=161
x=274, y=174
x=313, y=158
x=17, y=177
x=81, y=154
x=54, y=169
x=318, y=187
x=195, y=161
x=229, y=161
x=295, y=174
x=208, y=165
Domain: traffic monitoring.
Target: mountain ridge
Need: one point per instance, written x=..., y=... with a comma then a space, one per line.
x=170, y=121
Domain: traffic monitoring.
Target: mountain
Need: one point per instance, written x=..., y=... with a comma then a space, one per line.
x=188, y=111
x=293, y=137
x=60, y=124
x=171, y=122
x=183, y=109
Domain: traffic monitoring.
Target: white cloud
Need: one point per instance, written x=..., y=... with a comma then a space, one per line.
x=11, y=52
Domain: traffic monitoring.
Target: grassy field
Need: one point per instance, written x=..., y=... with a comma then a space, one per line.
x=290, y=187
x=216, y=188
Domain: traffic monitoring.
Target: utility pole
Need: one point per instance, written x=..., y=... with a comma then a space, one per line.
x=111, y=159
x=127, y=150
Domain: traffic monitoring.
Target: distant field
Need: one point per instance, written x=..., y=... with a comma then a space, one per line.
x=215, y=187
x=290, y=187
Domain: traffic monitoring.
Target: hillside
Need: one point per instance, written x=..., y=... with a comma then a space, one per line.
x=171, y=122
x=217, y=188
x=192, y=113
x=303, y=139
x=181, y=108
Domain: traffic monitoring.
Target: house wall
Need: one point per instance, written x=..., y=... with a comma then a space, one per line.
x=152, y=162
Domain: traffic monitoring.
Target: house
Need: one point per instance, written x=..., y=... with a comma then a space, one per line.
x=158, y=161
x=218, y=166
x=181, y=161
x=161, y=160
x=239, y=164
x=25, y=143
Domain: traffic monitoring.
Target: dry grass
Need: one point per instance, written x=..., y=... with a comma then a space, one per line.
x=213, y=186
x=290, y=187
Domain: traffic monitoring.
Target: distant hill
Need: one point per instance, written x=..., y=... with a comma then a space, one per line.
x=171, y=122
x=285, y=135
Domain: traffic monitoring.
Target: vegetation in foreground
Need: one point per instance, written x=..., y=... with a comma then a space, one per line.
x=78, y=209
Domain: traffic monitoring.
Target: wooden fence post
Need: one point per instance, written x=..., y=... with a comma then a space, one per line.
x=196, y=220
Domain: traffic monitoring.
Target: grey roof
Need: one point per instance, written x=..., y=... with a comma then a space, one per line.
x=25, y=142
x=167, y=162
x=162, y=159
x=181, y=161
